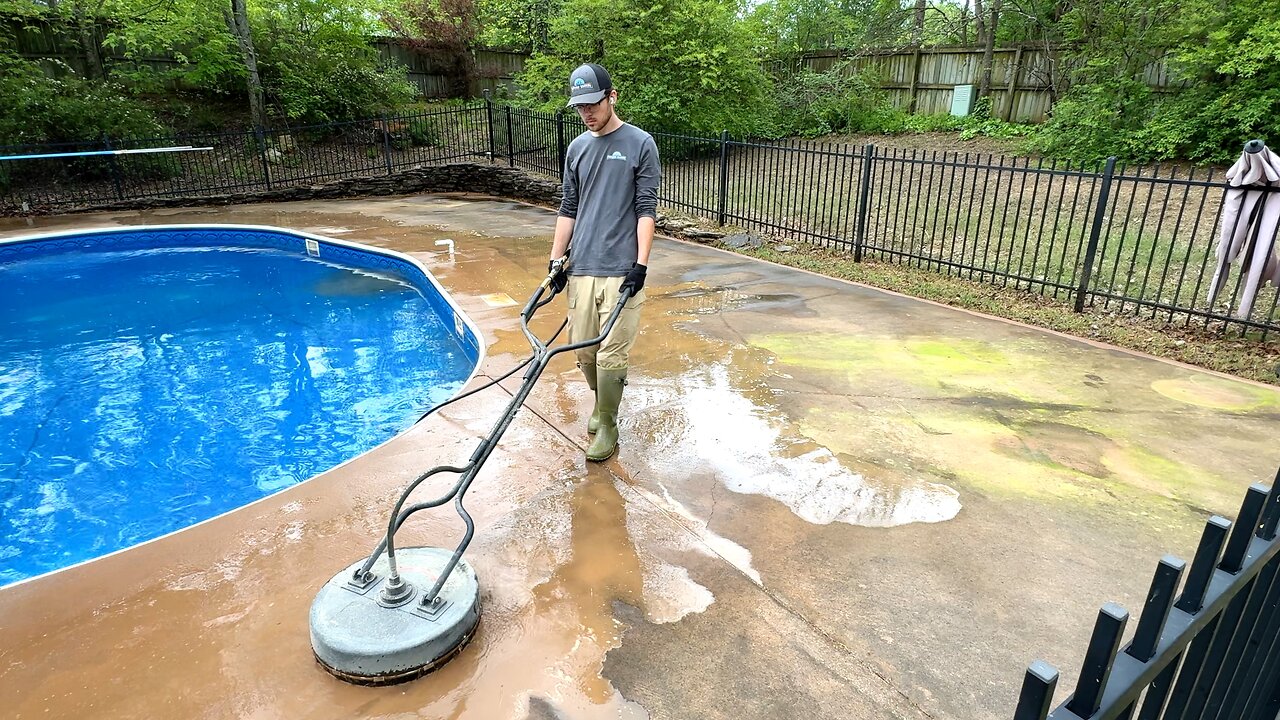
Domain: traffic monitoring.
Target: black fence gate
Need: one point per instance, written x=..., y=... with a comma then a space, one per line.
x=1209, y=653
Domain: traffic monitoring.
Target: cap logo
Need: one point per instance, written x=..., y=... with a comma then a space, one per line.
x=579, y=82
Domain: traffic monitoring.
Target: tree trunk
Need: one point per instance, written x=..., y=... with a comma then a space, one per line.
x=88, y=33
x=988, y=50
x=917, y=29
x=964, y=24
x=237, y=18
x=979, y=22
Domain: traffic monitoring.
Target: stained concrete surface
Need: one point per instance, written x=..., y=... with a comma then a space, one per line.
x=830, y=501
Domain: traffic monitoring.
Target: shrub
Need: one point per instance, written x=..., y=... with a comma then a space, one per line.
x=837, y=100
x=41, y=109
x=423, y=132
x=310, y=85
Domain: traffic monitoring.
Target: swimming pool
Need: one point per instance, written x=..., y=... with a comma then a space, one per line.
x=153, y=378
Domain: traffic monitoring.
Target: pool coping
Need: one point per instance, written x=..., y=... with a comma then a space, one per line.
x=460, y=316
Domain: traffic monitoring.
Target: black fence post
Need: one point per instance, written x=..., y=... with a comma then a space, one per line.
x=1099, y=212
x=115, y=168
x=723, y=201
x=1037, y=692
x=386, y=141
x=864, y=196
x=560, y=148
x=511, y=146
x=1099, y=659
x=261, y=137
x=1273, y=707
x=488, y=114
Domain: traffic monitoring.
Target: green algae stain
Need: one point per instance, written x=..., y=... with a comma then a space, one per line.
x=855, y=352
x=1215, y=393
x=1020, y=456
x=954, y=367
x=950, y=446
x=1014, y=420
x=1143, y=470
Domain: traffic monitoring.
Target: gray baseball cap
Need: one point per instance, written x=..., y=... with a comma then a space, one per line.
x=588, y=85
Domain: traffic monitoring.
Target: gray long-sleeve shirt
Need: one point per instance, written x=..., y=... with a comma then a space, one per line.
x=609, y=182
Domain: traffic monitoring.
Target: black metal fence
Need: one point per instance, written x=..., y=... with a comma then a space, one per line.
x=237, y=162
x=1125, y=240
x=1213, y=653
x=1134, y=240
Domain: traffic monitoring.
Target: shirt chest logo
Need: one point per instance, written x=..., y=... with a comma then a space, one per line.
x=616, y=156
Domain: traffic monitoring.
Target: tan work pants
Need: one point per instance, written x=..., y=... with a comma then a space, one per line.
x=591, y=300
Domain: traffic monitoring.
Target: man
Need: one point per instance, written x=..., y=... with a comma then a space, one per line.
x=611, y=178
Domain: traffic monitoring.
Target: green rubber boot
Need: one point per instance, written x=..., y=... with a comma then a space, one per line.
x=589, y=372
x=608, y=398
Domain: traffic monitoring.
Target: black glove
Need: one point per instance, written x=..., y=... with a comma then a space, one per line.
x=558, y=278
x=635, y=279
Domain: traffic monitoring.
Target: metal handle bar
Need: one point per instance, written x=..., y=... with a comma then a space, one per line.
x=537, y=363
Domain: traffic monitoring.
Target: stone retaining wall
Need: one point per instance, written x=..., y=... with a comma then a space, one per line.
x=494, y=180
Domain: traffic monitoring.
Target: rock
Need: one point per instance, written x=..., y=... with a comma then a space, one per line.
x=739, y=241
x=784, y=248
x=273, y=155
x=700, y=233
x=286, y=143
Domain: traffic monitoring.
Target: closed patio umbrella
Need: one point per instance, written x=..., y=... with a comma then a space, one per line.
x=1250, y=218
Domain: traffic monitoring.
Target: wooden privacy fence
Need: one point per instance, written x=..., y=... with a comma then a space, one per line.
x=1211, y=653
x=436, y=75
x=922, y=80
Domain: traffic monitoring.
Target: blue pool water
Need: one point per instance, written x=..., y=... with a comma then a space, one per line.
x=145, y=390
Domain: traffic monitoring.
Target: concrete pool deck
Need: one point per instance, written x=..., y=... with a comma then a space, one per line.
x=830, y=501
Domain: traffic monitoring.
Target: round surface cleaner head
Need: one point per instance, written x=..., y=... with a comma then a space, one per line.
x=366, y=636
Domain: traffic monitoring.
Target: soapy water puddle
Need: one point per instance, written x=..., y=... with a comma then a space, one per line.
x=699, y=422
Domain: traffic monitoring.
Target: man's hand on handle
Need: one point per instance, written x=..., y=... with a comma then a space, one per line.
x=635, y=279
x=555, y=270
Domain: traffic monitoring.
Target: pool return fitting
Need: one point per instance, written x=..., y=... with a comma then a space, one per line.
x=399, y=614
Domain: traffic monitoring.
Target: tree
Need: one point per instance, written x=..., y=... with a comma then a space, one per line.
x=710, y=78
x=305, y=60
x=518, y=24
x=444, y=29
x=789, y=27
x=237, y=17
x=988, y=49
x=85, y=14
x=1231, y=53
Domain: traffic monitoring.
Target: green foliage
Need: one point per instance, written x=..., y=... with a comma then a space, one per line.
x=843, y=101
x=317, y=65
x=838, y=100
x=1095, y=120
x=971, y=127
x=423, y=132
x=710, y=79
x=41, y=109
x=520, y=24
x=785, y=28
x=1235, y=73
x=310, y=87
x=314, y=56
